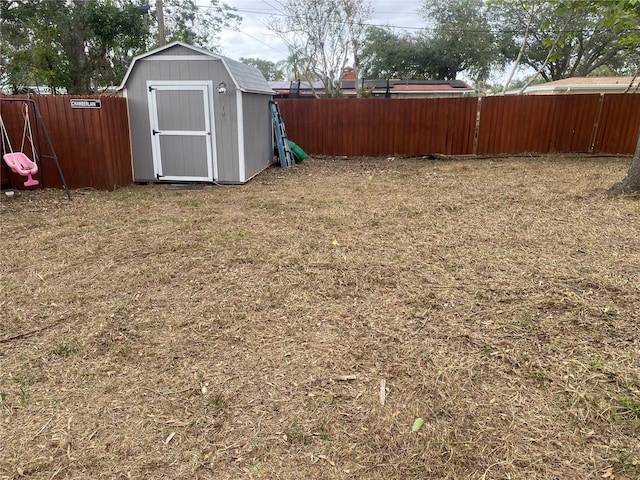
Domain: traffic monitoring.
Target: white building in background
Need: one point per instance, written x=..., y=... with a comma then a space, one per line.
x=575, y=85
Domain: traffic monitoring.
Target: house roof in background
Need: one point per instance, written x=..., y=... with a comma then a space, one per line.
x=294, y=84
x=591, y=81
x=582, y=85
x=449, y=83
x=431, y=87
x=395, y=86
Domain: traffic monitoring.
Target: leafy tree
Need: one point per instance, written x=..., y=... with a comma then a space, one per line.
x=563, y=39
x=73, y=45
x=624, y=18
x=461, y=39
x=26, y=59
x=115, y=32
x=321, y=34
x=386, y=54
x=297, y=65
x=269, y=69
x=200, y=26
x=581, y=37
x=81, y=46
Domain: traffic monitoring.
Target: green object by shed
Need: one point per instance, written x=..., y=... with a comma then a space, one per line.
x=298, y=152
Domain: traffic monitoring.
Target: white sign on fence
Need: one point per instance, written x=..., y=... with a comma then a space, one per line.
x=81, y=103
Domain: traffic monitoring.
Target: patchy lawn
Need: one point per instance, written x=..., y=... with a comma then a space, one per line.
x=297, y=326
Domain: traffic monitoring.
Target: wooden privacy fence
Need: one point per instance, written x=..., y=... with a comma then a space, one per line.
x=381, y=126
x=92, y=144
x=465, y=126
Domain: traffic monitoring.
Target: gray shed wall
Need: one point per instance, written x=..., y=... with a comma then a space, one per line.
x=257, y=133
x=256, y=117
x=177, y=50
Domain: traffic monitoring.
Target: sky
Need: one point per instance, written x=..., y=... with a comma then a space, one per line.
x=254, y=40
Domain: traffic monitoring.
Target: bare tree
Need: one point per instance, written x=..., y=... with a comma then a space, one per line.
x=531, y=9
x=326, y=33
x=357, y=12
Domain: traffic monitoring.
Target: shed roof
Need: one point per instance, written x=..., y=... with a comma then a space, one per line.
x=246, y=78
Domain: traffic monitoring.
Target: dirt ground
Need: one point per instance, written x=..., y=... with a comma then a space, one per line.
x=306, y=324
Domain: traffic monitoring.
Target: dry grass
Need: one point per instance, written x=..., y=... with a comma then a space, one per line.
x=243, y=332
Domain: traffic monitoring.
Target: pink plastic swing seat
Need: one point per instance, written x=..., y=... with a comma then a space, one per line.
x=22, y=165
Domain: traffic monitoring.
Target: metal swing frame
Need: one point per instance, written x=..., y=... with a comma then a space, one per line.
x=39, y=124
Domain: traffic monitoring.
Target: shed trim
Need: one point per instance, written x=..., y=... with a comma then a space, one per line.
x=241, y=167
x=212, y=166
x=189, y=58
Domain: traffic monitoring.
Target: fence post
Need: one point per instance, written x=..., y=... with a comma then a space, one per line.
x=476, y=131
x=596, y=122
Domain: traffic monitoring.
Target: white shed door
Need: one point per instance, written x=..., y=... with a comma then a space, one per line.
x=182, y=136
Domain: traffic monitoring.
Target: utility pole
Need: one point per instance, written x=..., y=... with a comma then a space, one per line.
x=144, y=11
x=160, y=14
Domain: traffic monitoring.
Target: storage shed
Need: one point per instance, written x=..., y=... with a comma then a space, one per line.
x=197, y=117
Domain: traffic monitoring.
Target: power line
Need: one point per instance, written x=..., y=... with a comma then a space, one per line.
x=260, y=41
x=275, y=13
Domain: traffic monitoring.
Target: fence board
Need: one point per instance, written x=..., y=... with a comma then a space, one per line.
x=573, y=123
x=619, y=125
x=92, y=145
x=541, y=124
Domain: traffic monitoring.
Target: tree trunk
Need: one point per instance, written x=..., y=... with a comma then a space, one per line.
x=516, y=64
x=630, y=183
